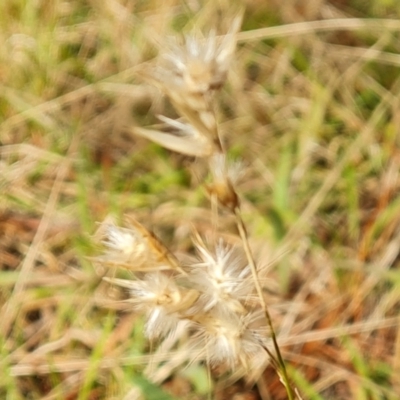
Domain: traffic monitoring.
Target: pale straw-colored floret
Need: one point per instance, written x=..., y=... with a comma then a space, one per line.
x=135, y=248
x=224, y=176
x=224, y=170
x=188, y=73
x=124, y=245
x=223, y=280
x=120, y=240
x=183, y=139
x=159, y=297
x=200, y=64
x=230, y=340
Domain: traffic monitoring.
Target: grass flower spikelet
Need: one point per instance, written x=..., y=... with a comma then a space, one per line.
x=223, y=280
x=199, y=64
x=123, y=245
x=229, y=340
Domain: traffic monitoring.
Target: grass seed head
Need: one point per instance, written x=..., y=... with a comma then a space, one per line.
x=229, y=340
x=123, y=245
x=199, y=65
x=161, y=299
x=223, y=280
x=134, y=248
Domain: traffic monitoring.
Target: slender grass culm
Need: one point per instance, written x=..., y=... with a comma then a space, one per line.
x=216, y=302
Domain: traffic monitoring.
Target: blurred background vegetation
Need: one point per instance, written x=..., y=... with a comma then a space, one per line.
x=312, y=109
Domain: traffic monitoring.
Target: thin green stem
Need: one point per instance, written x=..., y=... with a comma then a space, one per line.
x=250, y=258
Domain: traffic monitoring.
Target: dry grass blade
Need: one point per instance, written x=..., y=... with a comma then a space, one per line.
x=10, y=308
x=319, y=26
x=191, y=145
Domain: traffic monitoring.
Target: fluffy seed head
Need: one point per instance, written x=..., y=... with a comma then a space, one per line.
x=158, y=296
x=229, y=340
x=125, y=246
x=188, y=72
x=223, y=280
x=200, y=64
x=134, y=248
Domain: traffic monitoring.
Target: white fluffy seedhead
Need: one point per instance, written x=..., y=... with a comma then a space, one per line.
x=223, y=280
x=199, y=64
x=212, y=300
x=229, y=340
x=223, y=170
x=123, y=246
x=158, y=296
x=134, y=248
x=188, y=73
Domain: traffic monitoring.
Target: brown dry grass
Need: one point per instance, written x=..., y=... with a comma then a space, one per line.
x=313, y=110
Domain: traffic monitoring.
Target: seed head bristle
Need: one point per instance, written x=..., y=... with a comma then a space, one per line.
x=134, y=248
x=160, y=298
x=199, y=65
x=229, y=339
x=223, y=279
x=123, y=246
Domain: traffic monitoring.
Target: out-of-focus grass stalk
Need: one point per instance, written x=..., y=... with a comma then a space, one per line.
x=280, y=363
